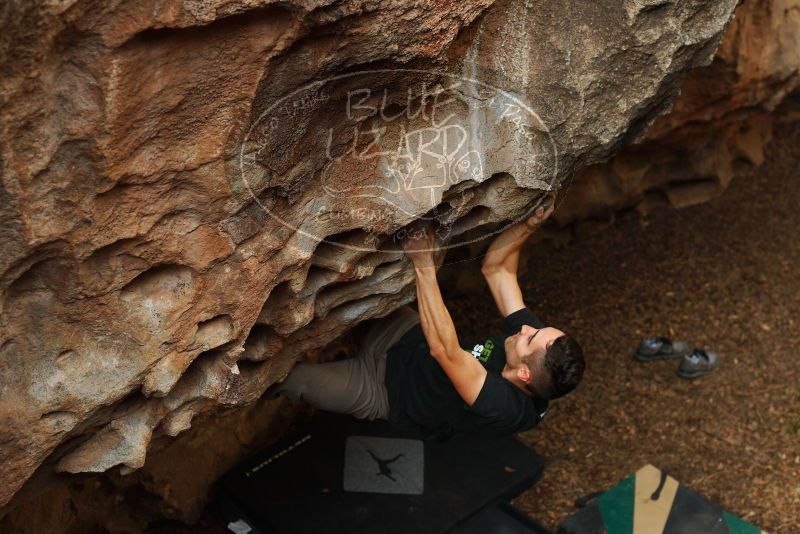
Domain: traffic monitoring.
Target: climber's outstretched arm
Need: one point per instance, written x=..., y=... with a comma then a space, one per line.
x=464, y=371
x=502, y=260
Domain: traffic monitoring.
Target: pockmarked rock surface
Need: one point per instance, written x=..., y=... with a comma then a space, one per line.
x=195, y=195
x=717, y=128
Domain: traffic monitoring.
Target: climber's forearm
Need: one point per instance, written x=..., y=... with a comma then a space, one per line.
x=500, y=266
x=440, y=332
x=503, y=253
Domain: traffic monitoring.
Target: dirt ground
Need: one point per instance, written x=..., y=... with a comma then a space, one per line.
x=722, y=275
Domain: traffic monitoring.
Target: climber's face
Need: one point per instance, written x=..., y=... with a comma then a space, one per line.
x=526, y=349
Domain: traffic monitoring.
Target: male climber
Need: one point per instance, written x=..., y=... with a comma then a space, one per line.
x=413, y=370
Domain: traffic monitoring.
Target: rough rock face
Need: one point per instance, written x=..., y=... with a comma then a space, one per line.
x=184, y=183
x=716, y=128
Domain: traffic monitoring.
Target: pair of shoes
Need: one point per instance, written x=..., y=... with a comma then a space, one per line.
x=697, y=363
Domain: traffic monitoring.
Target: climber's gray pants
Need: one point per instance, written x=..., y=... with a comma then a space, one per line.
x=353, y=386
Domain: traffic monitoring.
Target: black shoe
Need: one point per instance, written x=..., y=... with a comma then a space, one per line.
x=698, y=363
x=660, y=348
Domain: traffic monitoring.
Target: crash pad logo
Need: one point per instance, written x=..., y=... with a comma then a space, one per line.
x=384, y=465
x=384, y=468
x=373, y=151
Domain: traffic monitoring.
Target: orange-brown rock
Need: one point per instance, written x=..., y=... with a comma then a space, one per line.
x=196, y=194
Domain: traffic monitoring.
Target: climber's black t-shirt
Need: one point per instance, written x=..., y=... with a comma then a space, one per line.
x=421, y=395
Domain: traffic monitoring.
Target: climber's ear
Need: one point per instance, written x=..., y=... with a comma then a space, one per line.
x=524, y=373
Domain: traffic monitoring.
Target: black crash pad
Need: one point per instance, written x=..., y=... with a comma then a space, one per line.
x=298, y=485
x=500, y=518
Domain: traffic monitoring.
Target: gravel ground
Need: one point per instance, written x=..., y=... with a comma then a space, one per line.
x=722, y=275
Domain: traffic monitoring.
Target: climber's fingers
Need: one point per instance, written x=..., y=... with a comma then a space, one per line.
x=419, y=242
x=544, y=210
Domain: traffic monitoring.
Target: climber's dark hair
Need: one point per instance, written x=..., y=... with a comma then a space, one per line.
x=560, y=371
